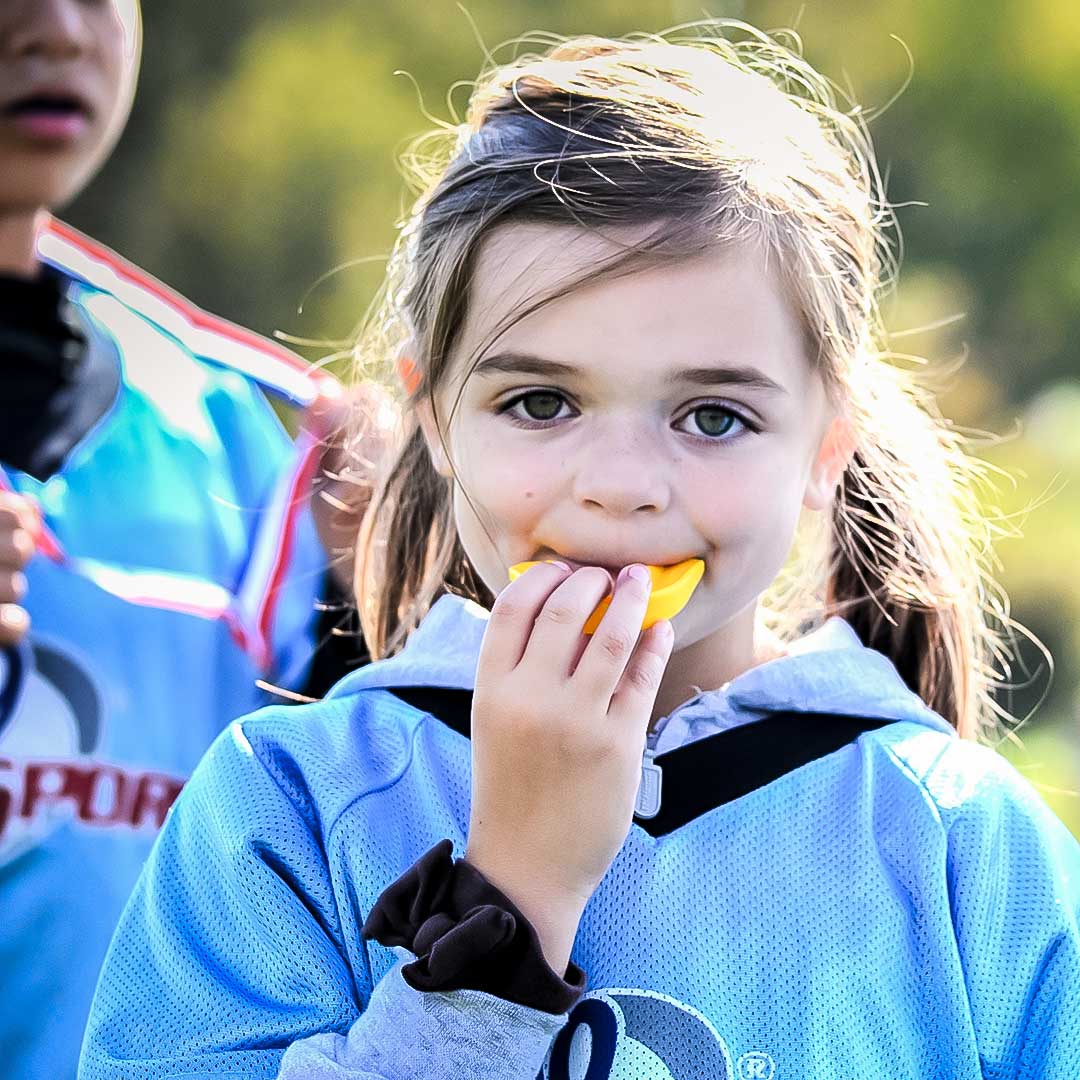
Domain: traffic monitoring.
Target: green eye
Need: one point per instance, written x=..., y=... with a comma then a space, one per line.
x=541, y=406
x=714, y=421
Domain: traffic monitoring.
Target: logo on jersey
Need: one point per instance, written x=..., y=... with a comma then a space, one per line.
x=629, y=1034
x=50, y=726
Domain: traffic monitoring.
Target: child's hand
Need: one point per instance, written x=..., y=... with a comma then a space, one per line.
x=356, y=429
x=17, y=524
x=558, y=730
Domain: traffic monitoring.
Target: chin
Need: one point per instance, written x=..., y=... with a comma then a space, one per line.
x=699, y=620
x=688, y=631
x=41, y=186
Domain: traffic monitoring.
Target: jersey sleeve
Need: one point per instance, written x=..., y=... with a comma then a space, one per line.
x=1014, y=879
x=238, y=956
x=284, y=575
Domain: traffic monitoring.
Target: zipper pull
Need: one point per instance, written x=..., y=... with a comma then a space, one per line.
x=647, y=804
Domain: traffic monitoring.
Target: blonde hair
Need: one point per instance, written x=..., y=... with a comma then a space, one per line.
x=713, y=140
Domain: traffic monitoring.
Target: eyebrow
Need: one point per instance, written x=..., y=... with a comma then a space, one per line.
x=513, y=363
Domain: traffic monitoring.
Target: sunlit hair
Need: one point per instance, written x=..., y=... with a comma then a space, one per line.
x=728, y=138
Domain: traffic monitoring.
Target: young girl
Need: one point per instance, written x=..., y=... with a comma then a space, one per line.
x=636, y=314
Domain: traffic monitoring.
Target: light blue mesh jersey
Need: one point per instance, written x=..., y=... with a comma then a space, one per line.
x=174, y=571
x=905, y=906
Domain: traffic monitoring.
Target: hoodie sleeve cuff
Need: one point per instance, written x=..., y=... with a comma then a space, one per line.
x=467, y=935
x=404, y=1034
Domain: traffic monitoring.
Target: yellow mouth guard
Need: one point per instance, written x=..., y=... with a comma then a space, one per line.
x=672, y=587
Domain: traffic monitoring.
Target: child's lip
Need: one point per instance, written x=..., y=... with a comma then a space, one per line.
x=612, y=568
x=574, y=564
x=60, y=95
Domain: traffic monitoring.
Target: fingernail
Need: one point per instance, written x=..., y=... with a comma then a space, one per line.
x=555, y=562
x=638, y=572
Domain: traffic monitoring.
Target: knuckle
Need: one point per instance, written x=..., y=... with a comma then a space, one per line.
x=645, y=677
x=528, y=723
x=24, y=546
x=506, y=609
x=564, y=745
x=501, y=712
x=599, y=749
x=576, y=743
x=559, y=613
x=490, y=696
x=12, y=587
x=615, y=641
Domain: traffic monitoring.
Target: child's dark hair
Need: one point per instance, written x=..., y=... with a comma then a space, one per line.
x=693, y=144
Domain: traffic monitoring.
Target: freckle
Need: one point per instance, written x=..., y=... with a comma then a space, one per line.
x=528, y=494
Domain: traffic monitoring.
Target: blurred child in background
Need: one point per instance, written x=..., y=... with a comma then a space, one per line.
x=158, y=554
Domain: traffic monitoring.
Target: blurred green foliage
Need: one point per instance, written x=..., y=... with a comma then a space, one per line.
x=261, y=155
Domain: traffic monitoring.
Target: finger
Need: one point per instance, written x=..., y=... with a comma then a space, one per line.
x=608, y=652
x=353, y=425
x=16, y=549
x=556, y=640
x=513, y=615
x=11, y=500
x=12, y=586
x=14, y=622
x=635, y=695
x=327, y=413
x=17, y=512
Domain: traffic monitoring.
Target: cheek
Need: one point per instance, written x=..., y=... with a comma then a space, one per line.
x=750, y=508
x=118, y=46
x=511, y=480
x=510, y=493
x=119, y=79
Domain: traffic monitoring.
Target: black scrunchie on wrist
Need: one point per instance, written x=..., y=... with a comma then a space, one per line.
x=467, y=935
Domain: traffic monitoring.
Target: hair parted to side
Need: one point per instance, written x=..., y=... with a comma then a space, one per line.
x=728, y=137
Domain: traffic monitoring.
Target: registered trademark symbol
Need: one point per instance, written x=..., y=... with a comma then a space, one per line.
x=756, y=1065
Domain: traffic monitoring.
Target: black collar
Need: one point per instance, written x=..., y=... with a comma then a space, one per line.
x=709, y=772
x=59, y=374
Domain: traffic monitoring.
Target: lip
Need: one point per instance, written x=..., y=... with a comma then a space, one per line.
x=44, y=125
x=612, y=568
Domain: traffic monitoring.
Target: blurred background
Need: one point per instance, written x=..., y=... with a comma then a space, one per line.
x=262, y=156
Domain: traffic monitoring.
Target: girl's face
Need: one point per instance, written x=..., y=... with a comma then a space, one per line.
x=664, y=415
x=67, y=75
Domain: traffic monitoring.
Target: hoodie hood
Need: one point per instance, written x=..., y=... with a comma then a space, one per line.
x=828, y=671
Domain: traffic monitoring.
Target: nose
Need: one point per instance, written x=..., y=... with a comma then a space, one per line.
x=625, y=470
x=55, y=29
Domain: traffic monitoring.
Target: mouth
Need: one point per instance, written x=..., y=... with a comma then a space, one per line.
x=613, y=568
x=672, y=587
x=55, y=115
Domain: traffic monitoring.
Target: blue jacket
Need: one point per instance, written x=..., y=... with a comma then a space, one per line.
x=905, y=906
x=177, y=568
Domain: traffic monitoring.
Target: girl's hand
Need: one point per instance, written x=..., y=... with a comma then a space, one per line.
x=558, y=731
x=17, y=521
